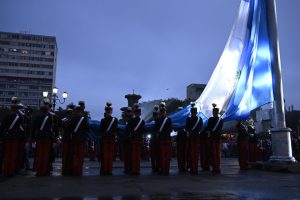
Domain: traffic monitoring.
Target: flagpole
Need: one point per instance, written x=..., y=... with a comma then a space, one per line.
x=281, y=140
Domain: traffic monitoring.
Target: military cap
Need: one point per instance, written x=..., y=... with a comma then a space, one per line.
x=81, y=103
x=215, y=109
x=108, y=107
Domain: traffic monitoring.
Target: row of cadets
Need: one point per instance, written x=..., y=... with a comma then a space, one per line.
x=163, y=128
x=135, y=129
x=212, y=145
x=108, y=129
x=154, y=143
x=13, y=135
x=193, y=127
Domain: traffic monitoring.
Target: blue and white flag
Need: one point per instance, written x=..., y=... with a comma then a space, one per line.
x=242, y=79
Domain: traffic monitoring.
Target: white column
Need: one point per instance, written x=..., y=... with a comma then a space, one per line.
x=281, y=140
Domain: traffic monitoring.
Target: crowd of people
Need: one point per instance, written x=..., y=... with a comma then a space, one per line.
x=194, y=143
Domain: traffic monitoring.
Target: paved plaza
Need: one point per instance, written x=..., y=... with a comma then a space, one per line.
x=230, y=184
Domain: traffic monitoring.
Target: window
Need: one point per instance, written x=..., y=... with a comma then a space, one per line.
x=3, y=35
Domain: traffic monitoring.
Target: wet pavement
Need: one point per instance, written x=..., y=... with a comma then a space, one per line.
x=230, y=184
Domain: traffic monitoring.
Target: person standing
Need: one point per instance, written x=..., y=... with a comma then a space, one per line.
x=163, y=127
x=12, y=132
x=42, y=132
x=136, y=130
x=108, y=128
x=154, y=143
x=126, y=142
x=182, y=145
x=242, y=141
x=78, y=129
x=214, y=128
x=193, y=127
x=66, y=142
x=252, y=143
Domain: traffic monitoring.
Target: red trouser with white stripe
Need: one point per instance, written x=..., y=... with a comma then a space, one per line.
x=10, y=160
x=136, y=147
x=194, y=153
x=77, y=158
x=216, y=155
x=43, y=150
x=182, y=155
x=243, y=153
x=205, y=153
x=165, y=156
x=107, y=155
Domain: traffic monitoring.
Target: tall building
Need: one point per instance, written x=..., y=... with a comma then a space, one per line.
x=193, y=91
x=27, y=67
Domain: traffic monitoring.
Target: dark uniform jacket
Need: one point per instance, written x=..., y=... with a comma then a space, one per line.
x=47, y=131
x=242, y=132
x=104, y=124
x=165, y=134
x=132, y=124
x=212, y=121
x=181, y=136
x=17, y=131
x=252, y=135
x=190, y=123
x=80, y=135
x=66, y=137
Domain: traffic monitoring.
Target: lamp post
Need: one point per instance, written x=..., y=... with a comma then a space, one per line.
x=54, y=97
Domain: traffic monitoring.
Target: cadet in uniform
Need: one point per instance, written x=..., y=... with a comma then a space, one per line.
x=182, y=146
x=78, y=128
x=163, y=127
x=252, y=143
x=42, y=133
x=214, y=128
x=242, y=141
x=13, y=135
x=136, y=130
x=154, y=143
x=193, y=127
x=66, y=142
x=126, y=142
x=108, y=128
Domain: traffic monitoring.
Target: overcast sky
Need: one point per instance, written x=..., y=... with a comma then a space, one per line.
x=107, y=48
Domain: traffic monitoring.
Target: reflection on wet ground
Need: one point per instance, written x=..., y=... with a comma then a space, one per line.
x=92, y=168
x=230, y=184
x=170, y=196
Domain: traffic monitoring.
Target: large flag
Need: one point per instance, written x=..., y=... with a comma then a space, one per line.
x=242, y=79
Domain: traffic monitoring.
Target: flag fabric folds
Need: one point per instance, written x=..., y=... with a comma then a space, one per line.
x=242, y=79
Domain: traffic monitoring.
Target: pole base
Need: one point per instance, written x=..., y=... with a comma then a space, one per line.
x=281, y=146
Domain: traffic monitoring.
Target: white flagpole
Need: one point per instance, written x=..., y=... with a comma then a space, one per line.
x=281, y=141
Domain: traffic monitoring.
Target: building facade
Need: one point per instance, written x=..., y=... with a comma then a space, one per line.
x=27, y=67
x=193, y=91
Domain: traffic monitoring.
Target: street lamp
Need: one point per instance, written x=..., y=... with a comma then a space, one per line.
x=55, y=98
